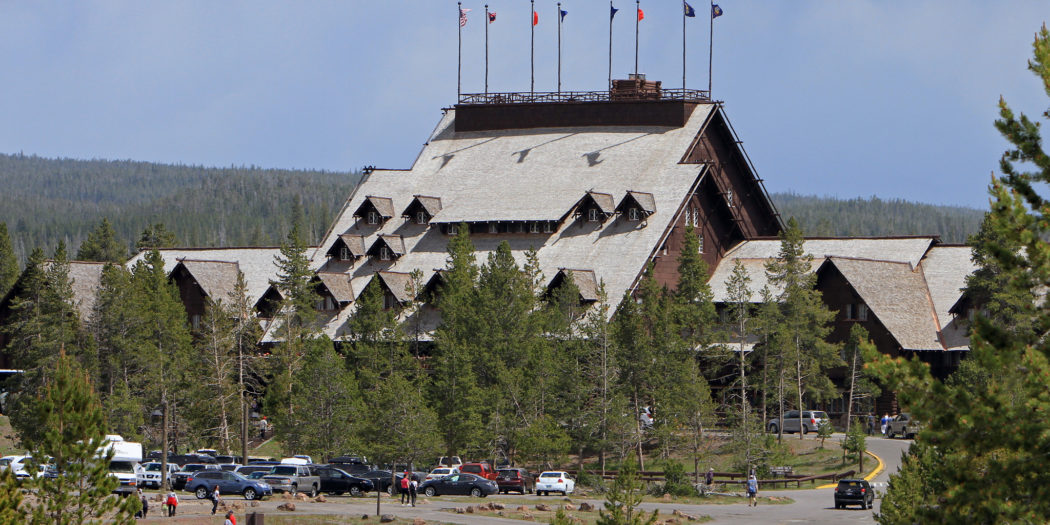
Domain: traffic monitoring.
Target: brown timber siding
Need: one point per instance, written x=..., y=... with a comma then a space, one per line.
x=480, y=117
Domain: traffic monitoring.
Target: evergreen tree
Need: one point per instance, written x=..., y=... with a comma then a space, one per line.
x=738, y=292
x=8, y=261
x=623, y=498
x=805, y=321
x=454, y=391
x=861, y=386
x=102, y=245
x=73, y=431
x=11, y=509
x=983, y=450
x=155, y=236
x=214, y=400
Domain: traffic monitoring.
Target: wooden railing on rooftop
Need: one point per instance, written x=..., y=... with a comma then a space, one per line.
x=685, y=95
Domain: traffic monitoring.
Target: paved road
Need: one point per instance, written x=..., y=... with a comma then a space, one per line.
x=812, y=506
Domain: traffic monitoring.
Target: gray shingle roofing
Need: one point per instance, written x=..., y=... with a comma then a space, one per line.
x=86, y=277
x=338, y=284
x=355, y=243
x=585, y=282
x=643, y=199
x=530, y=175
x=432, y=205
x=383, y=205
x=256, y=263
x=399, y=284
x=218, y=279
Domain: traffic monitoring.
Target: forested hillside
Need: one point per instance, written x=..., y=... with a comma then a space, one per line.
x=827, y=216
x=43, y=201
x=47, y=200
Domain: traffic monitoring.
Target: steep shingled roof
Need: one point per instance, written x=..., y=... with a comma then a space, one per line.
x=86, y=277
x=218, y=279
x=257, y=263
x=339, y=285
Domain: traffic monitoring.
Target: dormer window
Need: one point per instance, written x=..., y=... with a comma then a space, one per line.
x=421, y=217
x=422, y=209
x=373, y=217
x=344, y=254
x=387, y=248
x=632, y=214
x=638, y=206
x=384, y=253
x=592, y=215
x=375, y=210
x=534, y=227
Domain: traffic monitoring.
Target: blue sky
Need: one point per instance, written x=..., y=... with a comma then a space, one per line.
x=844, y=98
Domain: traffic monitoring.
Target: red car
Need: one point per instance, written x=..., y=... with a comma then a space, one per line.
x=516, y=480
x=481, y=470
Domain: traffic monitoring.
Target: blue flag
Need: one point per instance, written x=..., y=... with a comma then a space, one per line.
x=612, y=12
x=689, y=11
x=716, y=11
x=563, y=13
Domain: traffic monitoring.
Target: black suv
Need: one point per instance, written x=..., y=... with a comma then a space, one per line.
x=337, y=481
x=854, y=492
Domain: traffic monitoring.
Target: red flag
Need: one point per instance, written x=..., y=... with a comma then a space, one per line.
x=535, y=18
x=641, y=14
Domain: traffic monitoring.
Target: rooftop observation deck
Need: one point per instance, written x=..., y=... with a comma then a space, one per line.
x=632, y=102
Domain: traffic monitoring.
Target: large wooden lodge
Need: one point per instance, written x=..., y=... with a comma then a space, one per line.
x=602, y=184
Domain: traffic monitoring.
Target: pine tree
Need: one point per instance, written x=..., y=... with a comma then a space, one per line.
x=8, y=261
x=988, y=440
x=214, y=400
x=738, y=294
x=102, y=245
x=454, y=390
x=155, y=236
x=623, y=498
x=11, y=509
x=73, y=431
x=805, y=321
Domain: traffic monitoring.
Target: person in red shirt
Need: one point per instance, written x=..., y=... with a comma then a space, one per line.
x=230, y=519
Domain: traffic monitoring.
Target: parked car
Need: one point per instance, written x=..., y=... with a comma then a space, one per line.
x=811, y=421
x=354, y=465
x=178, y=480
x=203, y=483
x=381, y=480
x=903, y=425
x=184, y=459
x=257, y=474
x=228, y=459
x=482, y=469
x=854, y=492
x=515, y=479
x=293, y=478
x=228, y=467
x=245, y=470
x=555, y=481
x=459, y=484
x=450, y=461
x=150, y=474
x=337, y=481
x=441, y=472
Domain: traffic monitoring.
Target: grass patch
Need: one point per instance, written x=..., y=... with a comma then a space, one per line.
x=545, y=516
x=8, y=441
x=271, y=448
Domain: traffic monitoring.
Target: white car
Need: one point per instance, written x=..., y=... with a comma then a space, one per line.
x=554, y=481
x=149, y=474
x=441, y=472
x=19, y=465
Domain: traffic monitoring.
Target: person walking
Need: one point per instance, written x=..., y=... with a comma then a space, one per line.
x=752, y=491
x=404, y=489
x=230, y=519
x=172, y=502
x=871, y=424
x=709, y=478
x=215, y=499
x=413, y=488
x=885, y=422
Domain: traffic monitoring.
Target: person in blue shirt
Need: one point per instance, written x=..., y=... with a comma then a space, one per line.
x=752, y=491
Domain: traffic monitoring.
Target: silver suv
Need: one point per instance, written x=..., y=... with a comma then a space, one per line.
x=811, y=420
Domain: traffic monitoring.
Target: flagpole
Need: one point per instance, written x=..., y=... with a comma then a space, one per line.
x=710, y=47
x=559, y=47
x=612, y=14
x=637, y=8
x=486, y=49
x=532, y=47
x=459, y=52
x=683, y=45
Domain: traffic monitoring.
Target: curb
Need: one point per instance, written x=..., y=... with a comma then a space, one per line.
x=878, y=469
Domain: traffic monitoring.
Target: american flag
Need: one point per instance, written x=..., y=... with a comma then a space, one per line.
x=492, y=17
x=463, y=17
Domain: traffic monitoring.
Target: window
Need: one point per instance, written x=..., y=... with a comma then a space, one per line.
x=729, y=198
x=548, y=227
x=632, y=214
x=195, y=320
x=493, y=227
x=389, y=301
x=592, y=215
x=373, y=217
x=384, y=253
x=857, y=312
x=696, y=217
x=421, y=217
x=700, y=242
x=452, y=229
x=344, y=253
x=534, y=227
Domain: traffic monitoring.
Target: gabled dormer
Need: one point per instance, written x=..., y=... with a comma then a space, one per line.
x=375, y=211
x=397, y=288
x=334, y=289
x=387, y=248
x=585, y=282
x=422, y=209
x=595, y=207
x=348, y=247
x=637, y=206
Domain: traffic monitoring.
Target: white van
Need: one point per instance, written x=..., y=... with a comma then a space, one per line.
x=125, y=463
x=294, y=461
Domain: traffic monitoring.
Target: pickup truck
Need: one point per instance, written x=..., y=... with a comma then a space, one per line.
x=903, y=425
x=292, y=479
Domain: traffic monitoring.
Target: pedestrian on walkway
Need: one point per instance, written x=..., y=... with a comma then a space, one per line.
x=413, y=488
x=404, y=489
x=752, y=491
x=885, y=422
x=215, y=499
x=871, y=424
x=230, y=519
x=172, y=502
